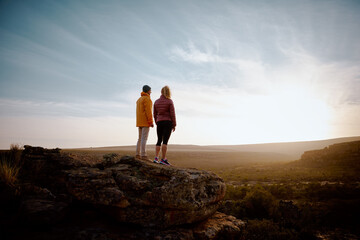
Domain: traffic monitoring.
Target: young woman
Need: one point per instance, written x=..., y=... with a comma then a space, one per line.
x=165, y=119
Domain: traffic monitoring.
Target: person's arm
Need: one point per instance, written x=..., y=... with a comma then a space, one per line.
x=148, y=112
x=173, y=115
x=155, y=113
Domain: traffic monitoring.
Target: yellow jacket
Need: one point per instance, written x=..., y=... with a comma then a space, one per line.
x=144, y=117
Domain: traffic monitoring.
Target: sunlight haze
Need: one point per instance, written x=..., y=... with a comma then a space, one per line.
x=240, y=72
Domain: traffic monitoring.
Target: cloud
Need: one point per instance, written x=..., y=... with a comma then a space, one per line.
x=306, y=94
x=193, y=55
x=336, y=81
x=232, y=63
x=245, y=73
x=91, y=109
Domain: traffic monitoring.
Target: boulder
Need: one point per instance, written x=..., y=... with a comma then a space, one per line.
x=149, y=194
x=218, y=226
x=75, y=199
x=44, y=168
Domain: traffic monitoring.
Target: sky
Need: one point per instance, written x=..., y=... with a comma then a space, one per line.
x=240, y=72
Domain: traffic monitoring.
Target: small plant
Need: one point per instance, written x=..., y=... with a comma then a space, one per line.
x=8, y=172
x=15, y=153
x=259, y=203
x=10, y=164
x=236, y=192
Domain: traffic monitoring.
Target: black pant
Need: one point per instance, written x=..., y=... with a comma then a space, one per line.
x=163, y=132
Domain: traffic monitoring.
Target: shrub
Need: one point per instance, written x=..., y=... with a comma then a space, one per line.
x=234, y=208
x=259, y=203
x=282, y=191
x=267, y=229
x=15, y=154
x=10, y=164
x=8, y=172
x=235, y=192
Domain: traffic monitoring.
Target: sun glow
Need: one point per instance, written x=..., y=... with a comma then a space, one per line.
x=285, y=113
x=289, y=114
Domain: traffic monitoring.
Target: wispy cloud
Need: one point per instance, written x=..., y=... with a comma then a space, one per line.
x=337, y=81
x=193, y=55
x=90, y=109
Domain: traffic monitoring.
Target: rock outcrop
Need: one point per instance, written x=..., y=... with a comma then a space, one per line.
x=149, y=194
x=120, y=198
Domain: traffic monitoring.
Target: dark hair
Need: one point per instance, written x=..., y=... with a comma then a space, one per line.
x=146, y=88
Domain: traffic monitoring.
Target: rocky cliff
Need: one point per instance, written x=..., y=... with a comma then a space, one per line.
x=341, y=154
x=120, y=198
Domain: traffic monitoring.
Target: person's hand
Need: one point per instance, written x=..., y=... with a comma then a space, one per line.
x=173, y=129
x=152, y=125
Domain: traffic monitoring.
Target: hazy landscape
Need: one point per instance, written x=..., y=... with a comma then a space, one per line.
x=298, y=190
x=220, y=156
x=272, y=186
x=267, y=107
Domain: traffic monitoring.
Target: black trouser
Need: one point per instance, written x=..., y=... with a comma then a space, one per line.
x=163, y=132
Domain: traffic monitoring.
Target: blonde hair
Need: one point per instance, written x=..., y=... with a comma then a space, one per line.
x=165, y=91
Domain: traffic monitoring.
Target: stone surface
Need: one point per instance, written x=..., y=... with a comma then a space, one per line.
x=149, y=194
x=118, y=198
x=44, y=168
x=218, y=226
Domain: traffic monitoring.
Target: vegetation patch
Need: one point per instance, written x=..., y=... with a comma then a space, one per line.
x=10, y=164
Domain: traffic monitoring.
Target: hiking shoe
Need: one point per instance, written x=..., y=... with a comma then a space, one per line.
x=138, y=157
x=156, y=160
x=165, y=162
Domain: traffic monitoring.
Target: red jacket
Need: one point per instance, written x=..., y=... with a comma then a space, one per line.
x=164, y=110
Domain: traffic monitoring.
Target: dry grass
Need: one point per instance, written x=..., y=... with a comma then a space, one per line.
x=8, y=172
x=10, y=165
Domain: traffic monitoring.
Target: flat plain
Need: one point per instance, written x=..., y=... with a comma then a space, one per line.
x=218, y=157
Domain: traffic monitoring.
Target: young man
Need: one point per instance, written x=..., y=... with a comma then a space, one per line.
x=144, y=120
